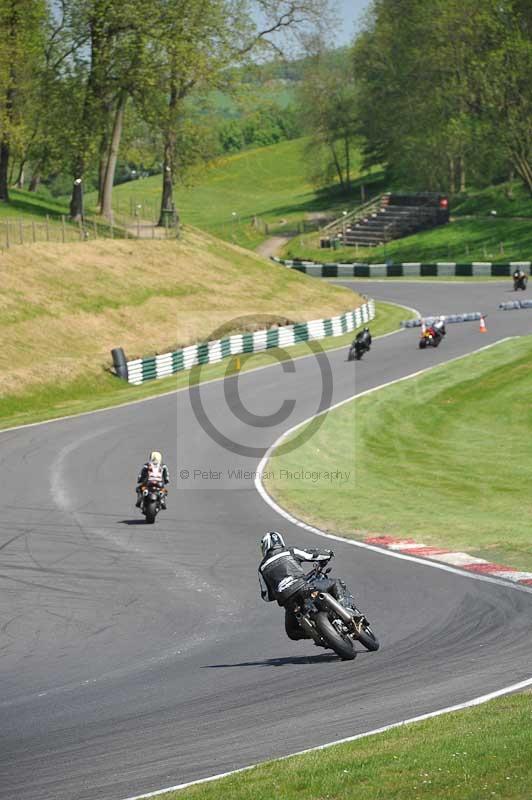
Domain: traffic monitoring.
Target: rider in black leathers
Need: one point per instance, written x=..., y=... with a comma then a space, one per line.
x=281, y=577
x=363, y=337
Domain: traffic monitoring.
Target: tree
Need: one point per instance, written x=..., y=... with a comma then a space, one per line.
x=328, y=107
x=446, y=90
x=21, y=53
x=194, y=43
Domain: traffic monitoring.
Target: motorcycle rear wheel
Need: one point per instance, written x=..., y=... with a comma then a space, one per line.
x=343, y=647
x=150, y=511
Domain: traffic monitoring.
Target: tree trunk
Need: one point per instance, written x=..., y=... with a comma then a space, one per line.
x=170, y=137
x=168, y=183
x=347, y=164
x=452, y=176
x=338, y=166
x=34, y=181
x=4, y=168
x=19, y=183
x=461, y=165
x=76, y=201
x=106, y=206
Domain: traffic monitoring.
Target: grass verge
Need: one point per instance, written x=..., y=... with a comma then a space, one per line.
x=103, y=390
x=443, y=458
x=481, y=752
x=463, y=240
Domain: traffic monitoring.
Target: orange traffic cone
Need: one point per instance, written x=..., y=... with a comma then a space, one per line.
x=483, y=328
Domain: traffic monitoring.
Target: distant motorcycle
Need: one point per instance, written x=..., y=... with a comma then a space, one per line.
x=520, y=280
x=431, y=337
x=360, y=345
x=153, y=494
x=333, y=624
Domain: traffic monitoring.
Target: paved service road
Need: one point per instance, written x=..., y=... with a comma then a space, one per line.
x=136, y=657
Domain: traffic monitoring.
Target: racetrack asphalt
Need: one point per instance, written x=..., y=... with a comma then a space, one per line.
x=135, y=657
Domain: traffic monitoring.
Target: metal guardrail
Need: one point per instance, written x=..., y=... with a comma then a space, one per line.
x=359, y=212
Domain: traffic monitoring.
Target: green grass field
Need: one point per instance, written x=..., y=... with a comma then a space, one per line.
x=103, y=390
x=481, y=752
x=443, y=458
x=507, y=199
x=464, y=240
x=269, y=182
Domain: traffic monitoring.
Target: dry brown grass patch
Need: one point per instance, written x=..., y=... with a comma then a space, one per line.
x=63, y=307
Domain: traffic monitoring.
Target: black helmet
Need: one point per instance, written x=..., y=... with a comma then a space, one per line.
x=270, y=540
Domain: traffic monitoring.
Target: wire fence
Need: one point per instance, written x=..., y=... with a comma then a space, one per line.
x=23, y=231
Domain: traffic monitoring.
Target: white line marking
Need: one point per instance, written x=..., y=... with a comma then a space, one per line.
x=363, y=545
x=423, y=562
x=477, y=701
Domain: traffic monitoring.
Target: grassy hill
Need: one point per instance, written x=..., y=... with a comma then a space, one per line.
x=67, y=305
x=269, y=182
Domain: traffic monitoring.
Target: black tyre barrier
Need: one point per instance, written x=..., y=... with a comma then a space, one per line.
x=512, y=305
x=471, y=316
x=119, y=362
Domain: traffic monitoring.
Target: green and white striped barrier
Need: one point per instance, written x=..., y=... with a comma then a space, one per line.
x=406, y=269
x=141, y=370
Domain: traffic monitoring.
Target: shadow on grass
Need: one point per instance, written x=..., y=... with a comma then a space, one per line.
x=36, y=209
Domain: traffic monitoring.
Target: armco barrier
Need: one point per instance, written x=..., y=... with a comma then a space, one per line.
x=406, y=269
x=144, y=369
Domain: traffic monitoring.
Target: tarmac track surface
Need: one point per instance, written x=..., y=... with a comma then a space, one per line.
x=135, y=657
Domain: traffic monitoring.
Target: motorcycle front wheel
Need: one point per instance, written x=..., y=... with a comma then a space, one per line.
x=343, y=647
x=368, y=639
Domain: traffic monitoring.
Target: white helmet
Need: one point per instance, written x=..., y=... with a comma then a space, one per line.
x=270, y=540
x=155, y=457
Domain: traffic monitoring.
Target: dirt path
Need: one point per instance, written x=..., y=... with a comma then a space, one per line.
x=271, y=246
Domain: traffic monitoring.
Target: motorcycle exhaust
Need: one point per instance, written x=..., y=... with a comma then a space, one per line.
x=309, y=628
x=337, y=607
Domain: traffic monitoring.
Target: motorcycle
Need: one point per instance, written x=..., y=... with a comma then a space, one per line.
x=359, y=346
x=520, y=280
x=430, y=338
x=153, y=499
x=333, y=624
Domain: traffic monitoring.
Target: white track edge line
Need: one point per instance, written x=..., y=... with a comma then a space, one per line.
x=202, y=383
x=364, y=545
x=476, y=701
x=267, y=499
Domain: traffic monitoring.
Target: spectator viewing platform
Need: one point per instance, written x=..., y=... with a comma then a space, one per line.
x=390, y=216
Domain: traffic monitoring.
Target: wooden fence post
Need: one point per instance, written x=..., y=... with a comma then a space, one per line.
x=63, y=227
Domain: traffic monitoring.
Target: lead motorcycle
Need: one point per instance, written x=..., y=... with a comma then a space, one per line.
x=520, y=280
x=333, y=624
x=153, y=498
